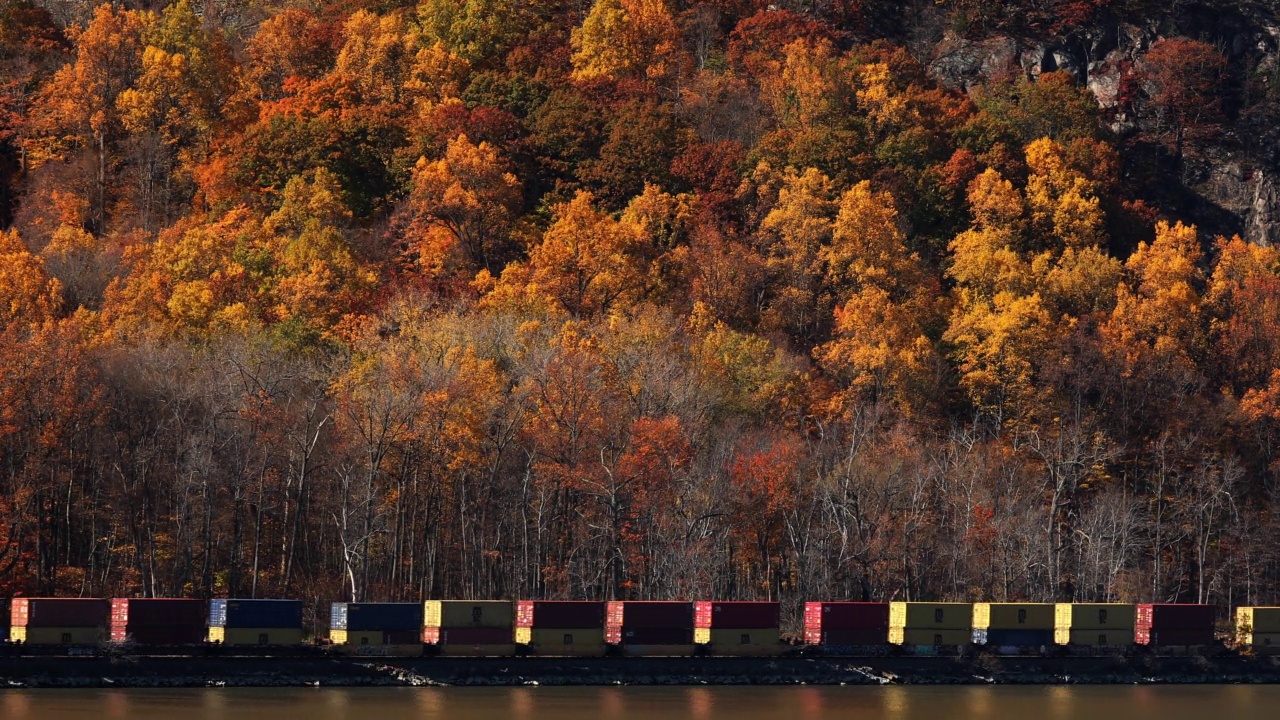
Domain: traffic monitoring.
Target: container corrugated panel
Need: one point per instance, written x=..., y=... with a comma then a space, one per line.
x=634, y=650
x=562, y=614
x=158, y=634
x=1094, y=637
x=384, y=616
x=476, y=636
x=469, y=613
x=1094, y=616
x=930, y=636
x=1013, y=638
x=574, y=642
x=158, y=612
x=736, y=615
x=1013, y=616
x=845, y=637
x=936, y=616
x=32, y=635
x=657, y=636
x=1255, y=619
x=819, y=616
x=246, y=613
x=1174, y=638
x=741, y=642
x=1267, y=642
x=337, y=617
x=635, y=614
x=1171, y=616
x=237, y=636
x=60, y=612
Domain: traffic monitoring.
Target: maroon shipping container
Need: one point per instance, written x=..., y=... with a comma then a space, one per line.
x=60, y=612
x=560, y=614
x=1170, y=616
x=1166, y=638
x=402, y=637
x=819, y=616
x=650, y=614
x=658, y=636
x=4, y=612
x=159, y=612
x=476, y=636
x=736, y=615
x=159, y=634
x=849, y=636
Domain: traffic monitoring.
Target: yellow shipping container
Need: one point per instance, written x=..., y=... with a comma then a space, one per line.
x=1258, y=620
x=1095, y=637
x=739, y=643
x=57, y=636
x=935, y=616
x=1013, y=616
x=1094, y=616
x=255, y=636
x=468, y=614
x=926, y=636
x=548, y=641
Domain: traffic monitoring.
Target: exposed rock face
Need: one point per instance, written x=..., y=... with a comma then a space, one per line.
x=1263, y=226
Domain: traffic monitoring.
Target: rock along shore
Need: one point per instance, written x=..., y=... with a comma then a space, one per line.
x=228, y=671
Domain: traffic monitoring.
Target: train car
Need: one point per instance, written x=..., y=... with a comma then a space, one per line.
x=158, y=621
x=738, y=629
x=846, y=628
x=476, y=628
x=1165, y=625
x=1095, y=625
x=376, y=629
x=648, y=628
x=561, y=627
x=59, y=621
x=247, y=622
x=1258, y=629
x=930, y=625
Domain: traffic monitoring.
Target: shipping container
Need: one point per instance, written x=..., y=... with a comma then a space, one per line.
x=579, y=642
x=1013, y=616
x=742, y=642
x=1171, y=616
x=1257, y=620
x=1266, y=643
x=60, y=612
x=376, y=616
x=158, y=634
x=4, y=616
x=560, y=614
x=999, y=637
x=476, y=636
x=657, y=636
x=32, y=635
x=1094, y=637
x=849, y=636
x=238, y=636
x=736, y=615
x=244, y=613
x=820, y=617
x=1174, y=638
x=636, y=650
x=649, y=614
x=935, y=616
x=930, y=636
x=158, y=612
x=1094, y=616
x=469, y=613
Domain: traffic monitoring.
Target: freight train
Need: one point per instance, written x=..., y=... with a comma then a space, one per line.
x=558, y=628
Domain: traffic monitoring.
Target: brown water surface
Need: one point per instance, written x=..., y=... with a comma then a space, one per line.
x=1234, y=702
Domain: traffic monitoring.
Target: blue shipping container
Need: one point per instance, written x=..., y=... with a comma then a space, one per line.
x=385, y=617
x=238, y=613
x=1013, y=638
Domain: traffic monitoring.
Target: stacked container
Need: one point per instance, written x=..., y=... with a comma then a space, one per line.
x=1259, y=627
x=1013, y=625
x=376, y=628
x=54, y=621
x=1094, y=624
x=4, y=619
x=845, y=626
x=157, y=621
x=470, y=627
x=561, y=627
x=643, y=627
x=1164, y=625
x=930, y=624
x=255, y=622
x=737, y=628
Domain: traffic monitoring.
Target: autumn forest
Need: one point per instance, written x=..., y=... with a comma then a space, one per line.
x=623, y=299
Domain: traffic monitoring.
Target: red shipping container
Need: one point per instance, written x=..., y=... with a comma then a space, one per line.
x=847, y=636
x=1166, y=638
x=60, y=612
x=159, y=612
x=159, y=634
x=658, y=636
x=1174, y=616
x=736, y=615
x=431, y=635
x=402, y=637
x=560, y=614
x=650, y=614
x=846, y=615
x=476, y=636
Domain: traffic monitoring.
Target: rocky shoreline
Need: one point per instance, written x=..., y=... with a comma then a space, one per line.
x=185, y=672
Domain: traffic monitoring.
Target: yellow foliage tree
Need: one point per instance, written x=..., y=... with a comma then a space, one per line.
x=625, y=38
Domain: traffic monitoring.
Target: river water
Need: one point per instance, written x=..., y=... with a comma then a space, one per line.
x=1148, y=702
